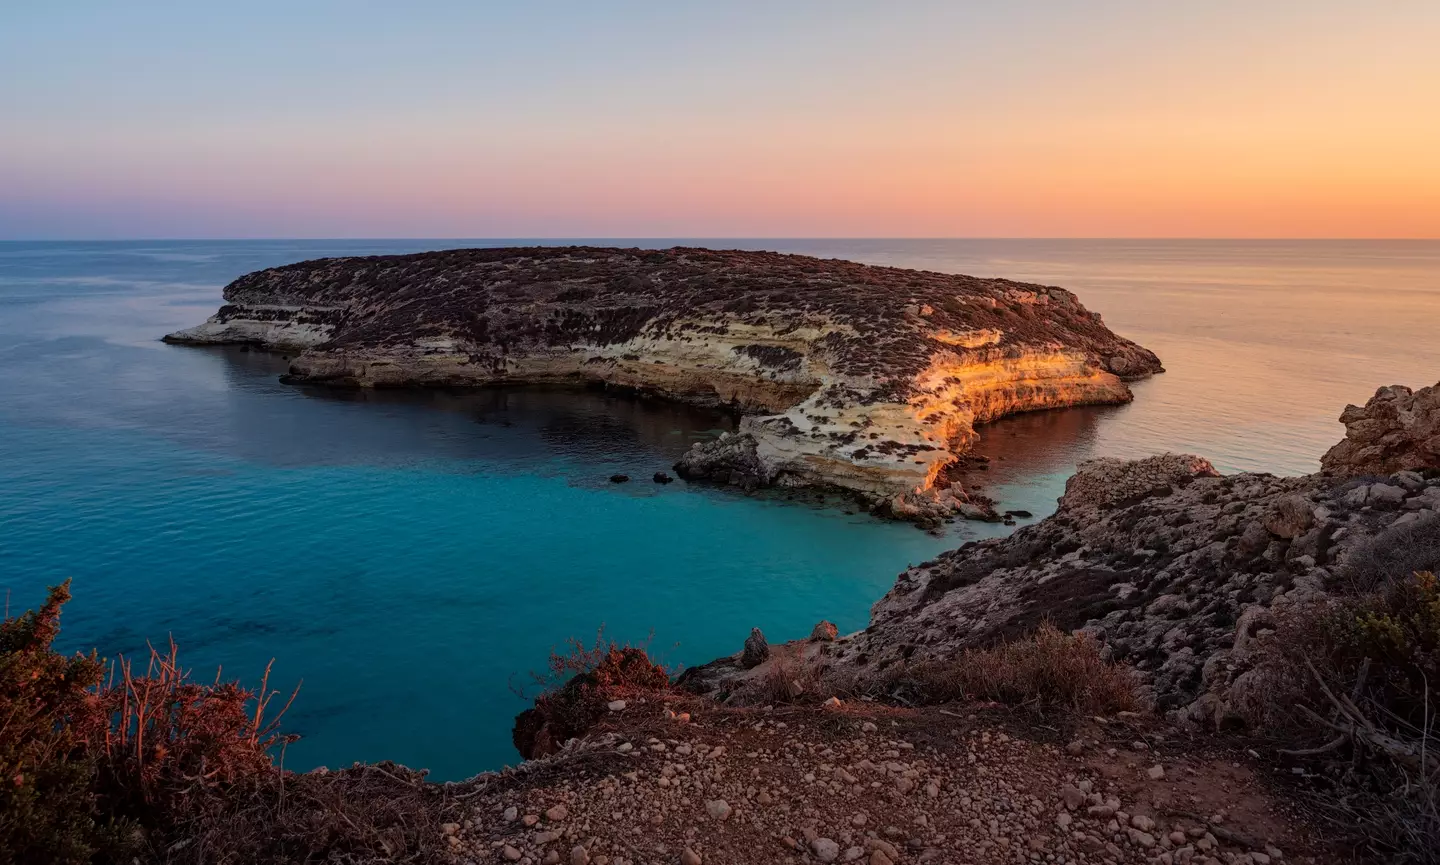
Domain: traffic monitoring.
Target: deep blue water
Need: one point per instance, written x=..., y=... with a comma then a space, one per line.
x=408, y=554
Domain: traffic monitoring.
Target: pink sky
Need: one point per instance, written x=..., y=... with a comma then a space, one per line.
x=1316, y=119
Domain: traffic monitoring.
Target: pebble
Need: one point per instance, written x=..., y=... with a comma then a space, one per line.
x=510, y=853
x=825, y=849
x=689, y=857
x=1072, y=796
x=1155, y=772
x=719, y=809
x=557, y=813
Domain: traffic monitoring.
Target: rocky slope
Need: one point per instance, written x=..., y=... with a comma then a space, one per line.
x=1174, y=567
x=664, y=780
x=869, y=379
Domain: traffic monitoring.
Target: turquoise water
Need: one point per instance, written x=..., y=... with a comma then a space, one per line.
x=408, y=554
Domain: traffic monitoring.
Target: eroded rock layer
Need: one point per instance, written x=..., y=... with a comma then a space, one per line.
x=866, y=378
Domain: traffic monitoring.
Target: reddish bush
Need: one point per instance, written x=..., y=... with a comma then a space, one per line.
x=581, y=681
x=172, y=745
x=102, y=768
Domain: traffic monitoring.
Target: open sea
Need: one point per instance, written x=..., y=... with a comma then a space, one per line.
x=410, y=555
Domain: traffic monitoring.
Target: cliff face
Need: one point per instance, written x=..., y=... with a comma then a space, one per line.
x=865, y=378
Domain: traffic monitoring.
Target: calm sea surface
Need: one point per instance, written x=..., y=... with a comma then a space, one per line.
x=407, y=554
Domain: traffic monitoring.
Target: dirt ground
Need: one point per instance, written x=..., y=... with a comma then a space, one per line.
x=686, y=781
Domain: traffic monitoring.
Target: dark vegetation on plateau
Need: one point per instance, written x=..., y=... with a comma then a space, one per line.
x=518, y=300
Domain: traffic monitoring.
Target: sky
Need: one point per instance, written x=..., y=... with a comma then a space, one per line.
x=784, y=118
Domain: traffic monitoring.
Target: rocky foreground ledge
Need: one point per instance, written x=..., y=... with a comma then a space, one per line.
x=867, y=379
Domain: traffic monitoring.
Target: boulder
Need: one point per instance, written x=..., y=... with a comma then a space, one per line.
x=824, y=631
x=1109, y=482
x=756, y=651
x=1397, y=430
x=1290, y=517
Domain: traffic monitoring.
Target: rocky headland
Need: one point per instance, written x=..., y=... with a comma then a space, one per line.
x=870, y=380
x=1175, y=569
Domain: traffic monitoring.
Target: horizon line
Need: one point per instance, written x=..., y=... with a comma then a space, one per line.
x=736, y=237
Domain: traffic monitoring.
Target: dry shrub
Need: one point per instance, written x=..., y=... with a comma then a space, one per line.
x=574, y=692
x=1394, y=553
x=155, y=767
x=1354, y=684
x=52, y=729
x=1047, y=670
x=175, y=751
x=368, y=813
x=788, y=678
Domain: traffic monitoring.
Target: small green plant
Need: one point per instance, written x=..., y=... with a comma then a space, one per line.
x=1386, y=647
x=1358, y=678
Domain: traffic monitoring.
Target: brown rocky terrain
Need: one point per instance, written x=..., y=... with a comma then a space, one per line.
x=1165, y=565
x=868, y=379
x=670, y=779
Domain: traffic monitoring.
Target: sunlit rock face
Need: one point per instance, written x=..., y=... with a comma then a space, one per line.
x=1397, y=430
x=868, y=379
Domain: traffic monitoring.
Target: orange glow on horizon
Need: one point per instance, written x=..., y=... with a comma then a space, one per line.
x=1318, y=120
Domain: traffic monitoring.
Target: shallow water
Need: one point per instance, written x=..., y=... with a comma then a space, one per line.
x=408, y=553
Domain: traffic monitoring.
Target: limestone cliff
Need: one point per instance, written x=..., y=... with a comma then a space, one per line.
x=869, y=379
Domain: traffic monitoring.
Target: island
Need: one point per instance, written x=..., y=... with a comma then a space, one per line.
x=861, y=379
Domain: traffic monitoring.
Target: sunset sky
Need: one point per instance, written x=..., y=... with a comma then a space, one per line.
x=1046, y=118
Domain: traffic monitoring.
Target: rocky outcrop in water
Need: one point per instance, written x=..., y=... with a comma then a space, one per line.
x=1397, y=429
x=1175, y=568
x=868, y=379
